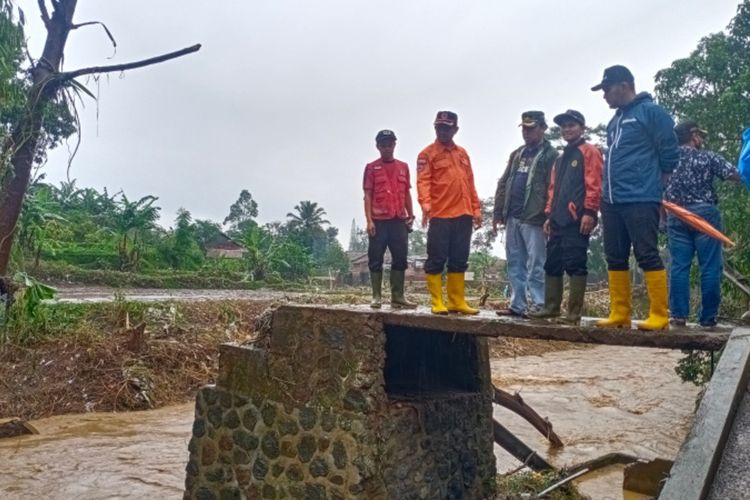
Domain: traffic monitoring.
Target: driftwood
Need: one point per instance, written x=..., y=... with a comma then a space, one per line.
x=516, y=404
x=603, y=461
x=518, y=448
x=11, y=427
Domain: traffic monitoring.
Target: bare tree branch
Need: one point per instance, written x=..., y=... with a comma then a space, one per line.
x=106, y=30
x=44, y=12
x=69, y=75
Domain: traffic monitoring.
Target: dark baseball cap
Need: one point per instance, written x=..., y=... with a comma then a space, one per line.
x=570, y=115
x=532, y=119
x=385, y=135
x=686, y=128
x=446, y=118
x=614, y=74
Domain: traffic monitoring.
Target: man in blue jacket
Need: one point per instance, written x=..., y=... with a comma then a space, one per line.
x=642, y=153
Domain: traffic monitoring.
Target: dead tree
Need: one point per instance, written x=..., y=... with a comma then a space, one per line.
x=47, y=80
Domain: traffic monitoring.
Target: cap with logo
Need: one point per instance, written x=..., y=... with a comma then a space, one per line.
x=685, y=129
x=570, y=115
x=446, y=118
x=614, y=74
x=530, y=119
x=385, y=135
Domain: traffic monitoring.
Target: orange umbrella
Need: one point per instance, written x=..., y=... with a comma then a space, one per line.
x=696, y=222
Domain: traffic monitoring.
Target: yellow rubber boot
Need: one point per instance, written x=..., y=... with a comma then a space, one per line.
x=435, y=286
x=658, y=310
x=456, y=298
x=619, y=301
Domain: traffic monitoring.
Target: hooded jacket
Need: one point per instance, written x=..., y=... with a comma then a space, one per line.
x=642, y=145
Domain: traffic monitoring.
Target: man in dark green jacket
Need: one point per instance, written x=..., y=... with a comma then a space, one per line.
x=520, y=199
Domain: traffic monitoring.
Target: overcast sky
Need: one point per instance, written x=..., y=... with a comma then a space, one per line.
x=285, y=97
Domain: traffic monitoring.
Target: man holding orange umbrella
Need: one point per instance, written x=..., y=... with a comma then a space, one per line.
x=691, y=186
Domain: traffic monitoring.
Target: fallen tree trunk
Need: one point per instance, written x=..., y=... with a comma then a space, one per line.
x=518, y=448
x=516, y=404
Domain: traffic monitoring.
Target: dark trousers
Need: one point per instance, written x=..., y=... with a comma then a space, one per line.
x=448, y=240
x=631, y=224
x=566, y=251
x=391, y=234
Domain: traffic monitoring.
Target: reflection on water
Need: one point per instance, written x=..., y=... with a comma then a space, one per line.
x=600, y=400
x=603, y=400
x=101, y=455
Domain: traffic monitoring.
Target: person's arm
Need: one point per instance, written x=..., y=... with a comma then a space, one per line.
x=551, y=189
x=476, y=208
x=367, y=186
x=368, y=213
x=424, y=180
x=593, y=164
x=724, y=170
x=407, y=201
x=497, y=211
x=661, y=127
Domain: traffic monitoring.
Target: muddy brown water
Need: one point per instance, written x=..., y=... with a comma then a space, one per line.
x=600, y=400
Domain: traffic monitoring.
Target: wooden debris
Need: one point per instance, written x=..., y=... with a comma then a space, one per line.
x=516, y=404
x=12, y=427
x=518, y=448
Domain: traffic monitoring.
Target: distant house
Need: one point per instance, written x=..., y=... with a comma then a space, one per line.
x=224, y=247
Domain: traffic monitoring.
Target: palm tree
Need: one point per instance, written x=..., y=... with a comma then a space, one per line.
x=308, y=223
x=309, y=216
x=133, y=219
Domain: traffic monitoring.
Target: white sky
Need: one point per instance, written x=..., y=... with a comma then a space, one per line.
x=285, y=97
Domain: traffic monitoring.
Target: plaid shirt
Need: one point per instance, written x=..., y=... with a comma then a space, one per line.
x=693, y=179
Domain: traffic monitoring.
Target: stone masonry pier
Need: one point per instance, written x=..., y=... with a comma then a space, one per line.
x=332, y=403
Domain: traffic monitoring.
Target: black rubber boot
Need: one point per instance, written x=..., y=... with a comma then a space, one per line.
x=398, y=299
x=553, y=290
x=575, y=301
x=377, y=285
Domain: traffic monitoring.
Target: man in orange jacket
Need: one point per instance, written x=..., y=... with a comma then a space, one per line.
x=449, y=201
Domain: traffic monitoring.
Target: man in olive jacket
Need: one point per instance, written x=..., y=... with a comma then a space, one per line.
x=520, y=199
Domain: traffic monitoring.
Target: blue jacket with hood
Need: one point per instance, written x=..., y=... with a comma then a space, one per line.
x=642, y=145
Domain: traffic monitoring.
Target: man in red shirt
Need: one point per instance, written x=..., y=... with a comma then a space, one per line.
x=448, y=197
x=389, y=218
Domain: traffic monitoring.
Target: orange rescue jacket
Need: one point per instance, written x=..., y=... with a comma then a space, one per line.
x=445, y=182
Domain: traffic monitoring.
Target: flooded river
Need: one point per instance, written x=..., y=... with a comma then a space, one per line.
x=600, y=400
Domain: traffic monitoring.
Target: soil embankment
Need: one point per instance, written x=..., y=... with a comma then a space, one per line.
x=92, y=353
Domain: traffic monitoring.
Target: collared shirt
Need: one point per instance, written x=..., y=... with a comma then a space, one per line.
x=693, y=179
x=445, y=182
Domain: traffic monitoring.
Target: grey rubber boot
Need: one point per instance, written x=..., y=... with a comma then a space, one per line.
x=553, y=290
x=377, y=285
x=398, y=299
x=575, y=301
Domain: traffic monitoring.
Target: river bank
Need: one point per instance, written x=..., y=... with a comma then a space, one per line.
x=600, y=400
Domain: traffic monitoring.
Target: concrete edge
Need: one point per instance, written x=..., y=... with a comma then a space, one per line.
x=700, y=455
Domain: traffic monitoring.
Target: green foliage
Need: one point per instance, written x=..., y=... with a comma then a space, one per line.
x=697, y=366
x=24, y=306
x=485, y=236
x=482, y=262
x=418, y=242
x=242, y=214
x=712, y=86
x=517, y=485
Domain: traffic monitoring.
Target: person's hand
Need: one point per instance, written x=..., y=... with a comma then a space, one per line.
x=371, y=228
x=587, y=224
x=495, y=224
x=425, y=217
x=478, y=221
x=546, y=228
x=409, y=222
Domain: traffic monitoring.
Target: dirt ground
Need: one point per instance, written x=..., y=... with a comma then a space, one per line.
x=159, y=357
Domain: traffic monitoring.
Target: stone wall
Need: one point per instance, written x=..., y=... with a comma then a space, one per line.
x=304, y=413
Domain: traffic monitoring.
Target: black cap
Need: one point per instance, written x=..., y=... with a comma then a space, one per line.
x=685, y=129
x=446, y=118
x=615, y=74
x=532, y=119
x=570, y=115
x=385, y=135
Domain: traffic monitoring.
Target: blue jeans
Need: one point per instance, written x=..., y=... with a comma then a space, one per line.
x=684, y=243
x=525, y=251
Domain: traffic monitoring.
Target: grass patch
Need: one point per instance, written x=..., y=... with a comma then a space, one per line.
x=522, y=484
